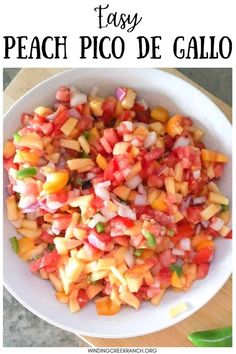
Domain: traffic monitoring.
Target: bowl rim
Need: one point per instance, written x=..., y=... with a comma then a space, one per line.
x=143, y=332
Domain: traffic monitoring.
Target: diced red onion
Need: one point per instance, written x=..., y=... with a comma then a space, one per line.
x=128, y=125
x=150, y=140
x=94, y=241
x=94, y=91
x=198, y=228
x=141, y=189
x=156, y=284
x=134, y=182
x=143, y=103
x=126, y=171
x=185, y=204
x=205, y=223
x=177, y=252
x=91, y=175
x=199, y=200
x=102, y=193
x=140, y=199
x=125, y=211
x=26, y=201
x=77, y=97
x=129, y=257
x=74, y=113
x=217, y=224
x=104, y=184
x=182, y=141
x=196, y=174
x=107, y=213
x=53, y=115
x=120, y=93
x=96, y=218
x=115, y=232
x=185, y=244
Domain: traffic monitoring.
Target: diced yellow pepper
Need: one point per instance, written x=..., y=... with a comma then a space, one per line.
x=69, y=125
x=101, y=162
x=160, y=202
x=177, y=281
x=56, y=181
x=122, y=192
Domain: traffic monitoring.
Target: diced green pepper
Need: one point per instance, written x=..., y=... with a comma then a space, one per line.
x=220, y=337
x=90, y=281
x=14, y=244
x=51, y=246
x=26, y=172
x=151, y=241
x=86, y=134
x=84, y=155
x=224, y=207
x=138, y=253
x=17, y=137
x=79, y=181
x=100, y=227
x=171, y=232
x=176, y=268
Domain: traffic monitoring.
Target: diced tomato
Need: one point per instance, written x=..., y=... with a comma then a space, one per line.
x=63, y=94
x=122, y=129
x=85, y=122
x=8, y=163
x=47, y=128
x=122, y=161
x=166, y=258
x=212, y=232
x=156, y=181
x=109, y=171
x=60, y=119
x=154, y=154
x=171, y=160
x=60, y=197
x=97, y=203
x=164, y=277
x=202, y=270
x=108, y=106
x=121, y=240
x=111, y=136
x=82, y=298
x=229, y=236
x=143, y=116
x=47, y=260
x=121, y=223
x=106, y=146
x=26, y=118
x=62, y=222
x=184, y=230
x=193, y=214
x=46, y=237
x=169, y=142
x=205, y=255
x=218, y=168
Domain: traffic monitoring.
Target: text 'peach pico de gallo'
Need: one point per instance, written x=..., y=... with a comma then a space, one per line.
x=114, y=201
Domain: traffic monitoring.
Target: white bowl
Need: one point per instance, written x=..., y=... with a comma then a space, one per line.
x=169, y=91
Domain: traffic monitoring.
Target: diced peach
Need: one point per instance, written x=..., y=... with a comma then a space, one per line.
x=34, y=234
x=122, y=192
x=136, y=168
x=158, y=127
x=120, y=148
x=43, y=111
x=134, y=284
x=62, y=297
x=31, y=141
x=96, y=107
x=170, y=185
x=174, y=126
x=9, y=150
x=93, y=290
x=73, y=269
x=157, y=299
x=130, y=299
x=106, y=307
x=128, y=101
x=55, y=282
x=101, y=162
x=177, y=281
x=12, y=210
x=160, y=113
x=105, y=263
x=160, y=202
x=209, y=155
